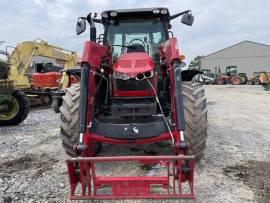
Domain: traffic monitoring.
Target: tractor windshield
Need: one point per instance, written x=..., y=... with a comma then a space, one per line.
x=144, y=34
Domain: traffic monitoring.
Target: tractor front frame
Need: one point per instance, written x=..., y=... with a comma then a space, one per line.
x=178, y=182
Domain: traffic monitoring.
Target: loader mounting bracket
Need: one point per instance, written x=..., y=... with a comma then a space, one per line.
x=174, y=183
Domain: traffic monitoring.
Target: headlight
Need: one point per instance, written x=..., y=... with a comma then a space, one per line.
x=105, y=15
x=163, y=11
x=149, y=74
x=156, y=11
x=113, y=14
x=121, y=76
x=145, y=75
x=117, y=75
x=125, y=76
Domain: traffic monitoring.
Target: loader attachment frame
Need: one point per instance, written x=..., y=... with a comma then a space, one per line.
x=176, y=184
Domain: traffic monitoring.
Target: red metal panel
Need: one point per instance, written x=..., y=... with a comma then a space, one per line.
x=73, y=180
x=93, y=53
x=145, y=179
x=100, y=138
x=50, y=79
x=134, y=63
x=106, y=197
x=139, y=185
x=132, y=158
x=170, y=50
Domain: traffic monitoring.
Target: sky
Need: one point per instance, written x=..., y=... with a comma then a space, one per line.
x=218, y=23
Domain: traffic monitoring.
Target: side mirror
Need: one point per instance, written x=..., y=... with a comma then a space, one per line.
x=80, y=26
x=187, y=19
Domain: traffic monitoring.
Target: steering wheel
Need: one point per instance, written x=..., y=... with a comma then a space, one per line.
x=136, y=39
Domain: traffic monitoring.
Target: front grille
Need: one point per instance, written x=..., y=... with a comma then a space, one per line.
x=130, y=107
x=132, y=85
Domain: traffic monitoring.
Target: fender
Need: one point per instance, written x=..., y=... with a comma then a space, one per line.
x=93, y=53
x=187, y=75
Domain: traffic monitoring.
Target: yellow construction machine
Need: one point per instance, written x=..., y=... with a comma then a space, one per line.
x=23, y=84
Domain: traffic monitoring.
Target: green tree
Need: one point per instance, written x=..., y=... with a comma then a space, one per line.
x=195, y=63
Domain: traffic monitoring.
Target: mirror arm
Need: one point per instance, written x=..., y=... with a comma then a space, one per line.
x=179, y=14
x=91, y=19
x=97, y=20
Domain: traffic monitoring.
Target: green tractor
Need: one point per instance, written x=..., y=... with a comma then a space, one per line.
x=11, y=100
x=231, y=77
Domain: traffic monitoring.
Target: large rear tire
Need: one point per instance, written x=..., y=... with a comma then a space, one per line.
x=235, y=80
x=69, y=128
x=195, y=110
x=219, y=81
x=18, y=109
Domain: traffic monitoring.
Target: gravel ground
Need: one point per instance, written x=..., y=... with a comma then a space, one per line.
x=235, y=167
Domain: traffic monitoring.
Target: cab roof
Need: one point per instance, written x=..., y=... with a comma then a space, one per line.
x=135, y=13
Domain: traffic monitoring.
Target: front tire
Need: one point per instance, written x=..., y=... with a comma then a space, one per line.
x=69, y=128
x=195, y=110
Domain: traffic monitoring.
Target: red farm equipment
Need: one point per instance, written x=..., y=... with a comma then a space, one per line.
x=133, y=91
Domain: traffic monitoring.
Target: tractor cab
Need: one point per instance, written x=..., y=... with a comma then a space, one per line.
x=134, y=42
x=135, y=37
x=127, y=32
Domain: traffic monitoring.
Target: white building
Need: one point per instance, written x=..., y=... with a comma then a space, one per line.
x=247, y=56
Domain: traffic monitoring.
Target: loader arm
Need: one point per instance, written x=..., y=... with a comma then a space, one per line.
x=22, y=55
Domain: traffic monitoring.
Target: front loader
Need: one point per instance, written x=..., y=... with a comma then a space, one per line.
x=133, y=91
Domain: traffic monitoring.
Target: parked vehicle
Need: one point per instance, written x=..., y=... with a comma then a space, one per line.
x=133, y=91
x=231, y=77
x=206, y=77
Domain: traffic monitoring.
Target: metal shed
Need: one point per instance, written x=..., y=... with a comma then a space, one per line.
x=247, y=56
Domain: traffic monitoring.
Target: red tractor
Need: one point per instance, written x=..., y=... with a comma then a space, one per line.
x=133, y=91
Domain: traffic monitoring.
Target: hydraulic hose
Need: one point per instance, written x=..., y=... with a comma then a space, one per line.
x=83, y=98
x=179, y=105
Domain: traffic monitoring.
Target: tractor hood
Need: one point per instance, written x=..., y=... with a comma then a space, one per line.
x=133, y=63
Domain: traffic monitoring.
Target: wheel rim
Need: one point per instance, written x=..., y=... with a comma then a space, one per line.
x=12, y=110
